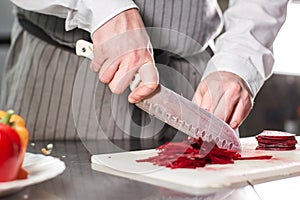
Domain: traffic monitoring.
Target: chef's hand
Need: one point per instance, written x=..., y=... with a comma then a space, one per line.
x=226, y=95
x=122, y=48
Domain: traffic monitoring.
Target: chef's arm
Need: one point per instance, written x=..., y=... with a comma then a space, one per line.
x=243, y=59
x=245, y=48
x=121, y=44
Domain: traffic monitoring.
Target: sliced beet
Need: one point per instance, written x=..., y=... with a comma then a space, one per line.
x=276, y=141
x=263, y=157
x=189, y=154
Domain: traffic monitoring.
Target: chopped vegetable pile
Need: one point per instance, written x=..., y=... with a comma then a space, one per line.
x=192, y=153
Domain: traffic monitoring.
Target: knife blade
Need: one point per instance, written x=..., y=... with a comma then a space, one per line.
x=179, y=112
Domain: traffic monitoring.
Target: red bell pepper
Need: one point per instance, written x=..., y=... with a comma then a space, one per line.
x=13, y=144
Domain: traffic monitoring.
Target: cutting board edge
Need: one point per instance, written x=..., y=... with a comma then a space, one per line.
x=294, y=173
x=194, y=190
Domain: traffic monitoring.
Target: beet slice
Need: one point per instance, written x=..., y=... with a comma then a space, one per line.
x=275, y=148
x=278, y=145
x=262, y=157
x=276, y=134
x=271, y=141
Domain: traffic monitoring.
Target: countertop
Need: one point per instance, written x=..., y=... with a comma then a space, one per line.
x=80, y=182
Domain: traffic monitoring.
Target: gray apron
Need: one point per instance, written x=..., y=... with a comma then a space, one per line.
x=61, y=99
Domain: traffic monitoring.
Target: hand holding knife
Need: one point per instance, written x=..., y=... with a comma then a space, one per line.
x=179, y=112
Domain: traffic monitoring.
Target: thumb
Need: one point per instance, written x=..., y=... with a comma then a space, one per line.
x=149, y=82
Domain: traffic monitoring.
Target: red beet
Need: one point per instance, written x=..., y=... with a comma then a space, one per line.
x=192, y=153
x=276, y=148
x=276, y=134
x=272, y=141
x=276, y=141
x=263, y=157
x=276, y=145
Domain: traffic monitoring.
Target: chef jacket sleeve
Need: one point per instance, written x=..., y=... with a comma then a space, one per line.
x=85, y=14
x=245, y=48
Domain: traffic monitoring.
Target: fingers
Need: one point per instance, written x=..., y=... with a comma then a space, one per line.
x=201, y=97
x=149, y=82
x=207, y=97
x=225, y=108
x=122, y=75
x=138, y=61
x=226, y=96
x=230, y=108
x=121, y=47
x=121, y=79
x=206, y=101
x=242, y=110
x=108, y=70
x=141, y=92
x=119, y=74
x=98, y=58
x=228, y=102
x=197, y=98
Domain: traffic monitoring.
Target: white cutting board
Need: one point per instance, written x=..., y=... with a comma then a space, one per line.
x=211, y=178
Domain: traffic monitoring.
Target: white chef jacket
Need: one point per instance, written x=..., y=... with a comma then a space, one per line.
x=244, y=49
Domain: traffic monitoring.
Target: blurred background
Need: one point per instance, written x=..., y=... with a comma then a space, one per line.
x=277, y=106
x=6, y=21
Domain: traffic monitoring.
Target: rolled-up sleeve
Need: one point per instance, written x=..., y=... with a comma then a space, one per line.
x=90, y=14
x=85, y=14
x=245, y=48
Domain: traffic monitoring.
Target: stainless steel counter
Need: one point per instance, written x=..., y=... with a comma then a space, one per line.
x=80, y=182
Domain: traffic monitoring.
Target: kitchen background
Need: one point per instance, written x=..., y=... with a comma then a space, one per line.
x=6, y=20
x=277, y=106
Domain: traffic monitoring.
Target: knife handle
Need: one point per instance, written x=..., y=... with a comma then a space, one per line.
x=85, y=49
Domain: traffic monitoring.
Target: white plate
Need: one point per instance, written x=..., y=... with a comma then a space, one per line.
x=39, y=167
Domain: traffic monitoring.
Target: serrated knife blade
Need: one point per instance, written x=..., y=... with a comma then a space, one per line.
x=186, y=116
x=181, y=113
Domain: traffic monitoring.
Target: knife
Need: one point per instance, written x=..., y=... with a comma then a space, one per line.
x=179, y=112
